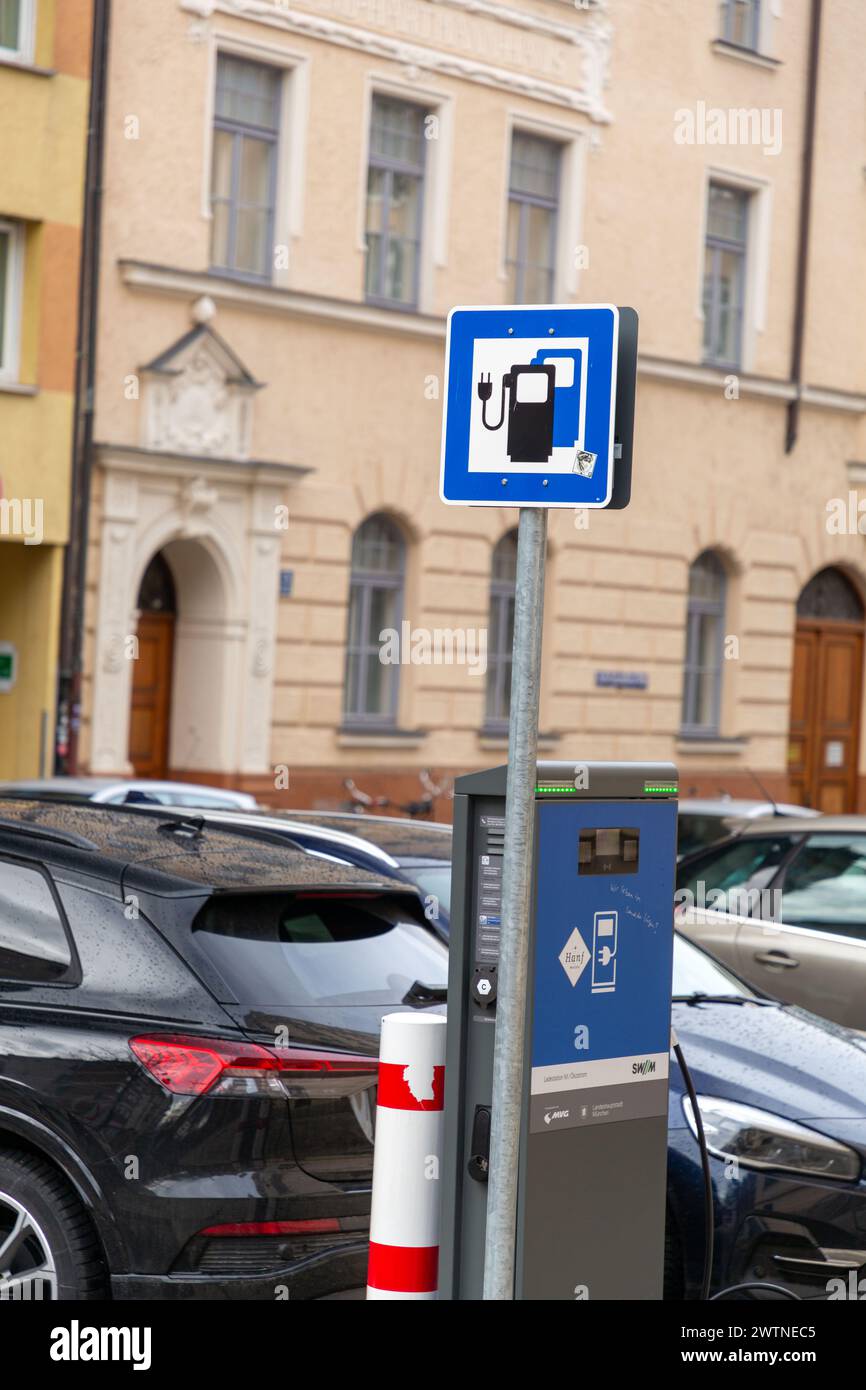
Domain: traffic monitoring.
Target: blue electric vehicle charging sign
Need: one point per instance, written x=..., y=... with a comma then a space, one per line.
x=600, y=1025
x=530, y=396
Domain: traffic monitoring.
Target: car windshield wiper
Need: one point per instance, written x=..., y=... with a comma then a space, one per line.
x=699, y=997
x=419, y=994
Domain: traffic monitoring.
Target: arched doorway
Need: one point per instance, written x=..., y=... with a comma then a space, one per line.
x=824, y=744
x=150, y=709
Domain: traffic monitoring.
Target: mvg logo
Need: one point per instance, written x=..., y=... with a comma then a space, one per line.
x=555, y=1115
x=643, y=1068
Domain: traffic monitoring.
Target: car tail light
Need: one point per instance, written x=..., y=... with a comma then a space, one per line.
x=318, y=1225
x=263, y=1247
x=191, y=1066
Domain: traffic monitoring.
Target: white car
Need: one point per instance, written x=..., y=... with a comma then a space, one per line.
x=115, y=791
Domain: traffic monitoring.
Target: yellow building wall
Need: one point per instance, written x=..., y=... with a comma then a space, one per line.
x=43, y=142
x=30, y=585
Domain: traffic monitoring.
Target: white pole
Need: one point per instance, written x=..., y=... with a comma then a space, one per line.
x=404, y=1216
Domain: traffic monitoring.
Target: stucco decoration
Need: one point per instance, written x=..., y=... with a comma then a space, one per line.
x=197, y=501
x=198, y=398
x=562, y=59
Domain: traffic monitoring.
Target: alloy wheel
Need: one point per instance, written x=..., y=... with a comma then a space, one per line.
x=27, y=1267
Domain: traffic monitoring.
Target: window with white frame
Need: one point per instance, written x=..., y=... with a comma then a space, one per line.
x=244, y=166
x=16, y=29
x=741, y=23
x=395, y=195
x=705, y=623
x=10, y=298
x=533, y=210
x=724, y=291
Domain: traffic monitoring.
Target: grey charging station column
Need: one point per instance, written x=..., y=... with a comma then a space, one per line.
x=593, y=1151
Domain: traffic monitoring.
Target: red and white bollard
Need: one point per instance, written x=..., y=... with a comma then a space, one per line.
x=404, y=1218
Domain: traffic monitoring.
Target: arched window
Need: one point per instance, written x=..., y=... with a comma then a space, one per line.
x=156, y=594
x=375, y=603
x=702, y=683
x=501, y=632
x=830, y=594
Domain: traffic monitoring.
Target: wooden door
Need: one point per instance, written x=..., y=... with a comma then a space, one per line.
x=151, y=695
x=824, y=741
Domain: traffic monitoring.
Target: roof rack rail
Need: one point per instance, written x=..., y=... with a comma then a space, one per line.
x=47, y=832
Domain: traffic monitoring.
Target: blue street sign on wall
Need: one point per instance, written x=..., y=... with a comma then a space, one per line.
x=529, y=406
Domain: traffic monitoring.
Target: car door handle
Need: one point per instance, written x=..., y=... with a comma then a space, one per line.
x=780, y=959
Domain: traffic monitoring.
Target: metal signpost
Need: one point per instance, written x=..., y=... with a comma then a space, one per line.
x=539, y=406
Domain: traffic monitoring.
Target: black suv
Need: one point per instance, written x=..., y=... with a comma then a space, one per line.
x=189, y=1027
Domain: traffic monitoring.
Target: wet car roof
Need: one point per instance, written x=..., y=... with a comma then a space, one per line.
x=404, y=839
x=111, y=841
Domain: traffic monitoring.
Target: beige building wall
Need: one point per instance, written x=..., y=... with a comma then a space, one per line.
x=338, y=414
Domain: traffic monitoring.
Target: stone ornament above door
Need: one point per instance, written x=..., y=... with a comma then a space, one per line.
x=198, y=399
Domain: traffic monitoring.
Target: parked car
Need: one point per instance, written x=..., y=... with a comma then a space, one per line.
x=189, y=1027
x=783, y=1101
x=422, y=851
x=111, y=791
x=325, y=839
x=702, y=822
x=784, y=904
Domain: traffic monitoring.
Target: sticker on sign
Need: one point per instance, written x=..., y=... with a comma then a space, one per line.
x=530, y=397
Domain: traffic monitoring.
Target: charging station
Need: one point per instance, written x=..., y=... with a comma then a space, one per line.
x=593, y=1135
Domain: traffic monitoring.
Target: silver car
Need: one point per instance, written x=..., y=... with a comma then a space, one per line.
x=701, y=821
x=115, y=791
x=783, y=903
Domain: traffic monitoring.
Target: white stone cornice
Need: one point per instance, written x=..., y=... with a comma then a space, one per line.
x=190, y=283
x=129, y=458
x=356, y=314
x=580, y=91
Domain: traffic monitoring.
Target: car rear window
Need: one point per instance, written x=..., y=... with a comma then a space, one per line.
x=696, y=830
x=276, y=949
x=434, y=880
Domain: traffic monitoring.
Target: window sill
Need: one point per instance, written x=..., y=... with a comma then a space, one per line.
x=725, y=49
x=243, y=277
x=496, y=738
x=711, y=744
x=18, y=388
x=715, y=365
x=394, y=306
x=24, y=65
x=353, y=737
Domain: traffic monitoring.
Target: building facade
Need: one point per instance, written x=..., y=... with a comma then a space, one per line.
x=295, y=196
x=45, y=48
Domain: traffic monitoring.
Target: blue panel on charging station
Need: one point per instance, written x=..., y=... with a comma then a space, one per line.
x=603, y=957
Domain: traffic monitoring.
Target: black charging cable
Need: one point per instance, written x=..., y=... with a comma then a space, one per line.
x=709, y=1209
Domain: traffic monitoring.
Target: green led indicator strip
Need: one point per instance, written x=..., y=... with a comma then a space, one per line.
x=660, y=787
x=553, y=788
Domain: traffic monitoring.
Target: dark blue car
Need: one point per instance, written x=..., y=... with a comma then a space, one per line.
x=783, y=1102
